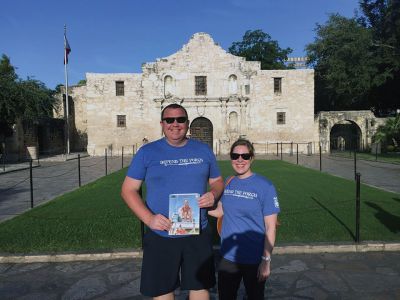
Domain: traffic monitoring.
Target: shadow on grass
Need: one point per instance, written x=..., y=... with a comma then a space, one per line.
x=391, y=221
x=336, y=218
x=396, y=199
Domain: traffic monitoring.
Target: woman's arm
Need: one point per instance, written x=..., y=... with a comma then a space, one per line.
x=264, y=269
x=217, y=212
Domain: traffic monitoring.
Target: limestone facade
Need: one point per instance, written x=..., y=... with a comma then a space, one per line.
x=226, y=97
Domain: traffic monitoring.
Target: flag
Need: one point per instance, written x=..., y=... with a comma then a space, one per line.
x=67, y=49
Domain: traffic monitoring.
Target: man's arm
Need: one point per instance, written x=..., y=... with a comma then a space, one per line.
x=216, y=189
x=130, y=194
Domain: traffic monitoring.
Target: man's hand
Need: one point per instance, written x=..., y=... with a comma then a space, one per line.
x=159, y=222
x=207, y=200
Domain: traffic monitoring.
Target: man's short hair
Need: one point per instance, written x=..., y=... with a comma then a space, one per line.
x=174, y=106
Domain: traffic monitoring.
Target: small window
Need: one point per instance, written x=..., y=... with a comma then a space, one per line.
x=201, y=85
x=277, y=86
x=247, y=89
x=281, y=118
x=121, y=120
x=119, y=88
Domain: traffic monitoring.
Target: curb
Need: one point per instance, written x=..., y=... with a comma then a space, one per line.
x=294, y=249
x=69, y=257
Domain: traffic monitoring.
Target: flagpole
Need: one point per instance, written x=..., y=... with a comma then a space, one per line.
x=66, y=87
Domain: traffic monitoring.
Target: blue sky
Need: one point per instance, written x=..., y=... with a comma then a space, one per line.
x=118, y=36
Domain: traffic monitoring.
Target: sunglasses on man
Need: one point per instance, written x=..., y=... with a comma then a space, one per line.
x=180, y=120
x=245, y=156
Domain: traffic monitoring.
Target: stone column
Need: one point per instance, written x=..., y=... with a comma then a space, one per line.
x=243, y=119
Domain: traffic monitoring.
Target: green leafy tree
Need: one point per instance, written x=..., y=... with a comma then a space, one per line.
x=258, y=46
x=382, y=17
x=357, y=60
x=389, y=133
x=27, y=100
x=9, y=104
x=341, y=55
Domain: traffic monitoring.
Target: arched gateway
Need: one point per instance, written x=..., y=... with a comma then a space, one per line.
x=202, y=129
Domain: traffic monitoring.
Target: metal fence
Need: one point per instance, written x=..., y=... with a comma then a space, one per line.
x=44, y=180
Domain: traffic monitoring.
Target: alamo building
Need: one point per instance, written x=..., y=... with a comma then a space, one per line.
x=226, y=98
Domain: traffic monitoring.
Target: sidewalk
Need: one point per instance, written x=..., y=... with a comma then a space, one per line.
x=354, y=275
x=7, y=168
x=54, y=177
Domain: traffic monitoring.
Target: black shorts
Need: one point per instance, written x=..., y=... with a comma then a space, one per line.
x=169, y=263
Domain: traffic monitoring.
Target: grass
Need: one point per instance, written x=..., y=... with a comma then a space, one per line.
x=316, y=207
x=391, y=157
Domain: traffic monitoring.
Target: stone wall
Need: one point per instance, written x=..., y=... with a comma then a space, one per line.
x=364, y=121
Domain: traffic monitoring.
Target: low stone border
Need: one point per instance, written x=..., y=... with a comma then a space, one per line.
x=339, y=248
x=68, y=257
x=293, y=249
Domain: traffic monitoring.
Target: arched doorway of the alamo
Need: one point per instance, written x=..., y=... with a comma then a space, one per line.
x=202, y=129
x=345, y=135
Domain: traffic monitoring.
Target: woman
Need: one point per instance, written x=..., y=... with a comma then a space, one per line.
x=249, y=207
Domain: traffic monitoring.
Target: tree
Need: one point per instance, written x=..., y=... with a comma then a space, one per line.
x=341, y=55
x=382, y=17
x=357, y=60
x=389, y=133
x=9, y=104
x=258, y=46
x=27, y=100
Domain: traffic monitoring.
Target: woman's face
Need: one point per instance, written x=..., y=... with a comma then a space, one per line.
x=240, y=165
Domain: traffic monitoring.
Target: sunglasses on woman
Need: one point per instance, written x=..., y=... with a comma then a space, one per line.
x=245, y=156
x=172, y=120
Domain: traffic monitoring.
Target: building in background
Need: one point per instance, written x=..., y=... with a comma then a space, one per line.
x=226, y=98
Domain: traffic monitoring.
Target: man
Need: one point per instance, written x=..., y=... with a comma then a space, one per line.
x=185, y=212
x=174, y=165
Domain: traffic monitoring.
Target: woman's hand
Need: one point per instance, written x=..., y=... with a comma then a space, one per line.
x=264, y=270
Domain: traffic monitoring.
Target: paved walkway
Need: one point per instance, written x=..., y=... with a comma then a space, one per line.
x=370, y=275
x=54, y=177
x=382, y=175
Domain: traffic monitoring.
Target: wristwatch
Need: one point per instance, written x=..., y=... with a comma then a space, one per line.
x=266, y=258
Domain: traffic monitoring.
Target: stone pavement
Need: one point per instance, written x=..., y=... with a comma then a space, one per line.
x=354, y=275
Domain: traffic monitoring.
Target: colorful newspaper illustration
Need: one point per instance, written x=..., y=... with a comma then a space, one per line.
x=184, y=213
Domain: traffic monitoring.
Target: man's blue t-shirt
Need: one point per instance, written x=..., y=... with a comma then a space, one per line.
x=245, y=203
x=166, y=170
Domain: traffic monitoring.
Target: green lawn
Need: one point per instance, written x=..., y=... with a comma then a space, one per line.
x=316, y=207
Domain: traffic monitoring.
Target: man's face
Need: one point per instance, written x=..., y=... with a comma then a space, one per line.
x=174, y=132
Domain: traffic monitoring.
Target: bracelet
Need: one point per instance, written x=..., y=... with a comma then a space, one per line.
x=266, y=258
